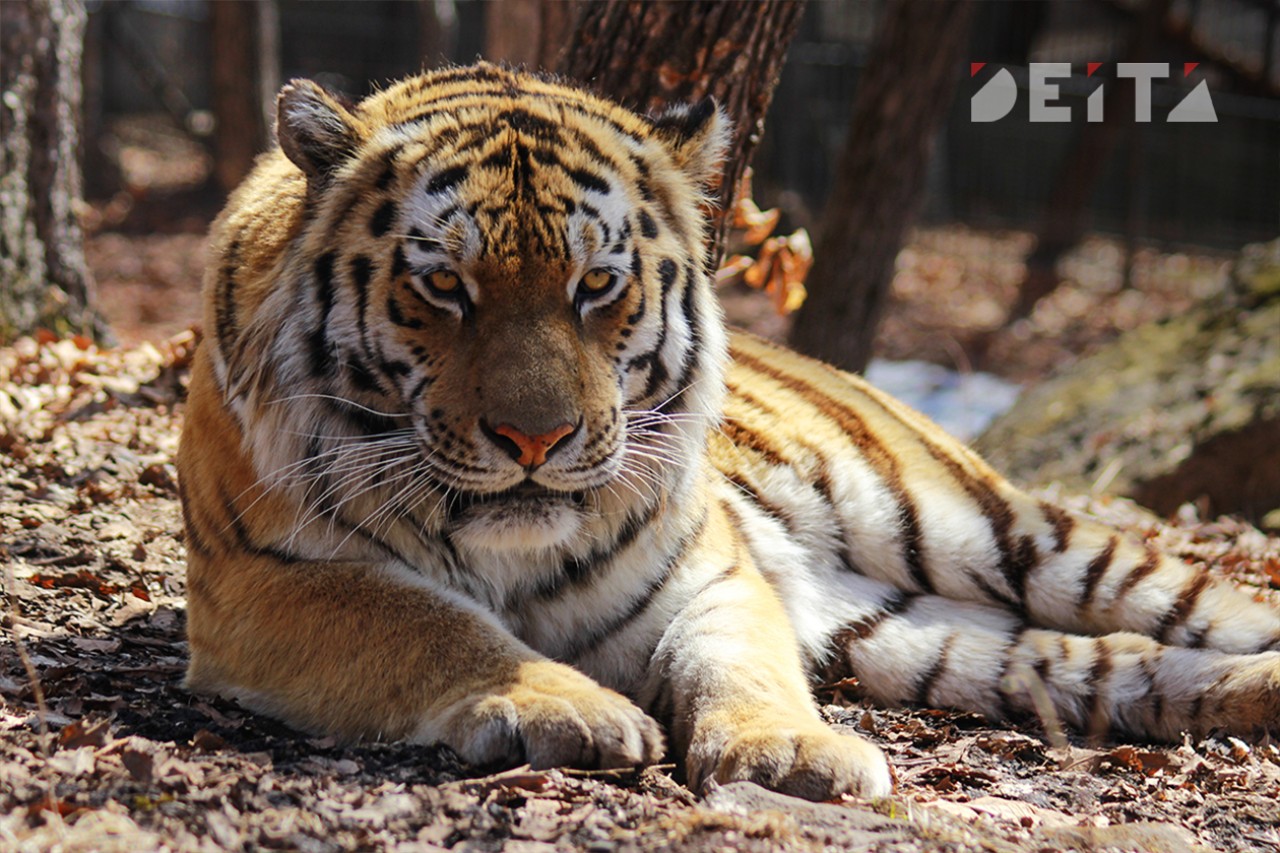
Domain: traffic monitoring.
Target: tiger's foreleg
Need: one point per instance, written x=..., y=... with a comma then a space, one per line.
x=739, y=700
x=364, y=651
x=936, y=651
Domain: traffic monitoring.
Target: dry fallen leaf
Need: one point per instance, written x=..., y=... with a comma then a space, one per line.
x=1131, y=758
x=79, y=734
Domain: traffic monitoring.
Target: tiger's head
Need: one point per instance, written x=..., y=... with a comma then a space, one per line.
x=494, y=293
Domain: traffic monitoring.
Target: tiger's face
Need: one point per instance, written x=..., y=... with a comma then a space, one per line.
x=512, y=272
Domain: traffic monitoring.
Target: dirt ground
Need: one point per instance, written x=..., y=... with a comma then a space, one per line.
x=102, y=749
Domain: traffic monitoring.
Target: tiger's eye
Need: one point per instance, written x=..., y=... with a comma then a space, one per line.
x=597, y=280
x=444, y=281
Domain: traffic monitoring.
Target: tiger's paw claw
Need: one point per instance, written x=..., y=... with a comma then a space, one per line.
x=809, y=761
x=552, y=716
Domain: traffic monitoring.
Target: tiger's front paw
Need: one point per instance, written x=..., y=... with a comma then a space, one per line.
x=802, y=758
x=551, y=716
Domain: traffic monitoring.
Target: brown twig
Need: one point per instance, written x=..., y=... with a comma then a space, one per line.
x=33, y=677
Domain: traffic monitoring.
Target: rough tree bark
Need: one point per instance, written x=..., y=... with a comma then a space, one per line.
x=43, y=278
x=901, y=100
x=245, y=45
x=652, y=54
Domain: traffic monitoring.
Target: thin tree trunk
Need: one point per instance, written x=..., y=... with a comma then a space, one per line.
x=511, y=31
x=44, y=281
x=246, y=62
x=438, y=31
x=901, y=100
x=1066, y=216
x=559, y=18
x=653, y=54
x=531, y=33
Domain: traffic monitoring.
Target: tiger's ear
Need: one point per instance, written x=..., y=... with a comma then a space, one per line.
x=316, y=129
x=697, y=135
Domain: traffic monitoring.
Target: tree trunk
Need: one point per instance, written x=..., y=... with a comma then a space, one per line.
x=511, y=31
x=1066, y=216
x=43, y=278
x=438, y=31
x=531, y=33
x=652, y=54
x=902, y=98
x=245, y=45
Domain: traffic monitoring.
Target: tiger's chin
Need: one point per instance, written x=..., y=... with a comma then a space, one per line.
x=519, y=519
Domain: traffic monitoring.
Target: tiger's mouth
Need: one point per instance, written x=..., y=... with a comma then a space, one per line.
x=525, y=493
x=528, y=517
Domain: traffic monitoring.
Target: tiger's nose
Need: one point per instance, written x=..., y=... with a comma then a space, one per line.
x=529, y=451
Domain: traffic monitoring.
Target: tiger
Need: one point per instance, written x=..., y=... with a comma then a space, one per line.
x=470, y=457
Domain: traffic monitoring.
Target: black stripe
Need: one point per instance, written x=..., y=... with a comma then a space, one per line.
x=1183, y=607
x=897, y=603
x=925, y=684
x=1096, y=569
x=639, y=603
x=1016, y=559
x=446, y=180
x=667, y=273
x=996, y=595
x=225, y=313
x=395, y=368
x=388, y=173
x=653, y=359
x=822, y=485
x=244, y=539
x=423, y=384
x=746, y=438
x=648, y=227
x=1150, y=562
x=194, y=542
x=361, y=376
x=588, y=180
x=575, y=571
x=693, y=316
x=399, y=264
x=380, y=222
x=773, y=510
x=1156, y=697
x=536, y=126
x=589, y=147
x=321, y=353
x=1062, y=522
x=1023, y=558
x=361, y=274
x=396, y=316
x=1098, y=720
x=882, y=461
x=1198, y=637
